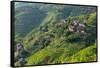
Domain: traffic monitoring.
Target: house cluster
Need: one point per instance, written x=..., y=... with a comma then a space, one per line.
x=19, y=54
x=78, y=27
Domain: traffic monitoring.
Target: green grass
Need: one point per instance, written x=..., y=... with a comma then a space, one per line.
x=85, y=55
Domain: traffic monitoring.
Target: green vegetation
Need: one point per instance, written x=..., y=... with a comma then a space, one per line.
x=84, y=55
x=59, y=44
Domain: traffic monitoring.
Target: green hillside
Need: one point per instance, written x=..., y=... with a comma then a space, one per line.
x=53, y=42
x=34, y=14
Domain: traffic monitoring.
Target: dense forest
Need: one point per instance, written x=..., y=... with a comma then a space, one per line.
x=53, y=34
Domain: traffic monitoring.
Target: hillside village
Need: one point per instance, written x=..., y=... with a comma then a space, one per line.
x=79, y=30
x=55, y=34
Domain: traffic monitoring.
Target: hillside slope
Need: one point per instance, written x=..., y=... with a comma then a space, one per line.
x=59, y=44
x=53, y=34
